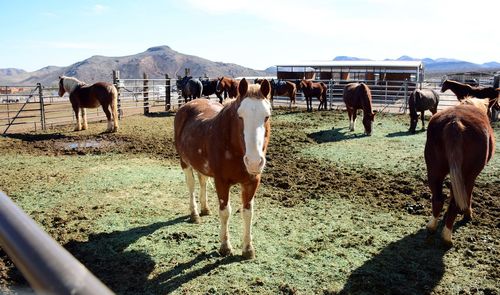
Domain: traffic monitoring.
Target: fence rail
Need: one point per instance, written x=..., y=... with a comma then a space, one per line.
x=39, y=107
x=45, y=264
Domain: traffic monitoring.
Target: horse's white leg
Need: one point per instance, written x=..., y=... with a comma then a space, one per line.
x=248, y=249
x=203, y=195
x=195, y=217
x=432, y=224
x=224, y=214
x=78, y=125
x=84, y=118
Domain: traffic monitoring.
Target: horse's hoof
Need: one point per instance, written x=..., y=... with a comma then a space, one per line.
x=225, y=250
x=205, y=212
x=248, y=253
x=195, y=218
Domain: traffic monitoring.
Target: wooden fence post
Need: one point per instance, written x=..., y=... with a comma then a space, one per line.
x=116, y=82
x=145, y=93
x=42, y=105
x=167, y=93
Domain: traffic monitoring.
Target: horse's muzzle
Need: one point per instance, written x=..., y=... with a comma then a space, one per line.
x=254, y=166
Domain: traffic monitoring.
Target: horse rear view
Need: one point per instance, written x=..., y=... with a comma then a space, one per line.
x=229, y=144
x=84, y=96
x=460, y=142
x=421, y=100
x=358, y=96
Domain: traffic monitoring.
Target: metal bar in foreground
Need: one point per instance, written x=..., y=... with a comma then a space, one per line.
x=46, y=265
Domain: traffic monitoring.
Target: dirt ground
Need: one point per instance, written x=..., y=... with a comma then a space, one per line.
x=292, y=180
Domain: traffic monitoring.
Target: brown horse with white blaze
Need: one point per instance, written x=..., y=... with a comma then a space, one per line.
x=358, y=96
x=227, y=143
x=82, y=96
x=460, y=142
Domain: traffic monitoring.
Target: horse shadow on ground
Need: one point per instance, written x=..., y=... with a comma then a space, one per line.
x=405, y=133
x=412, y=265
x=334, y=135
x=171, y=280
x=127, y=271
x=106, y=256
x=34, y=137
x=163, y=114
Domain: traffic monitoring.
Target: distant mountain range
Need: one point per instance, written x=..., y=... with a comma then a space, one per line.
x=440, y=65
x=161, y=60
x=156, y=62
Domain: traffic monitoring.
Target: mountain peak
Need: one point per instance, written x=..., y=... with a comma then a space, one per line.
x=348, y=58
x=158, y=48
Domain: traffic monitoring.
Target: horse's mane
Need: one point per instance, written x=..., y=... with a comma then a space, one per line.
x=482, y=104
x=71, y=83
x=254, y=91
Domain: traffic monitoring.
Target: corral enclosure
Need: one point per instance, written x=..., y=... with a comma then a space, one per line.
x=38, y=107
x=337, y=212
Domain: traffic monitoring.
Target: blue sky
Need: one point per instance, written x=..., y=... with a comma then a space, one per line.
x=252, y=33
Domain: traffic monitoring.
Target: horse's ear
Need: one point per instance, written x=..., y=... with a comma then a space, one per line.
x=265, y=87
x=243, y=87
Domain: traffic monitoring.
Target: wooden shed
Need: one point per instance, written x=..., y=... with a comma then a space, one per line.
x=371, y=72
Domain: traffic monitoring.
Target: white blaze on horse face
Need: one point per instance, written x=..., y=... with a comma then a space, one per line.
x=254, y=112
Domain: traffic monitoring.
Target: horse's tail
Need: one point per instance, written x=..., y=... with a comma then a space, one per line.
x=114, y=105
x=453, y=136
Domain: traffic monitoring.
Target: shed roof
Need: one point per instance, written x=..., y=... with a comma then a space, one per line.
x=356, y=64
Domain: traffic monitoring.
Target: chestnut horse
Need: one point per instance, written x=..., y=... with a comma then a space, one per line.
x=229, y=86
x=421, y=100
x=311, y=89
x=460, y=142
x=82, y=95
x=229, y=144
x=282, y=88
x=358, y=96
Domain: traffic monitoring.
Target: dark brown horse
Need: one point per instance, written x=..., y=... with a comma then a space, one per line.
x=84, y=96
x=462, y=91
x=310, y=89
x=281, y=88
x=421, y=100
x=460, y=142
x=358, y=96
x=210, y=87
x=189, y=87
x=229, y=144
x=229, y=86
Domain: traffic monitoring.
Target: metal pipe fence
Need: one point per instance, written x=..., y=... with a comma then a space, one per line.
x=46, y=265
x=39, y=107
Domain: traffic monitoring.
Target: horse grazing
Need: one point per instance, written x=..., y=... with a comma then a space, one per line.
x=190, y=87
x=229, y=144
x=229, y=86
x=210, y=87
x=460, y=142
x=311, y=89
x=358, y=96
x=282, y=88
x=421, y=100
x=82, y=95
